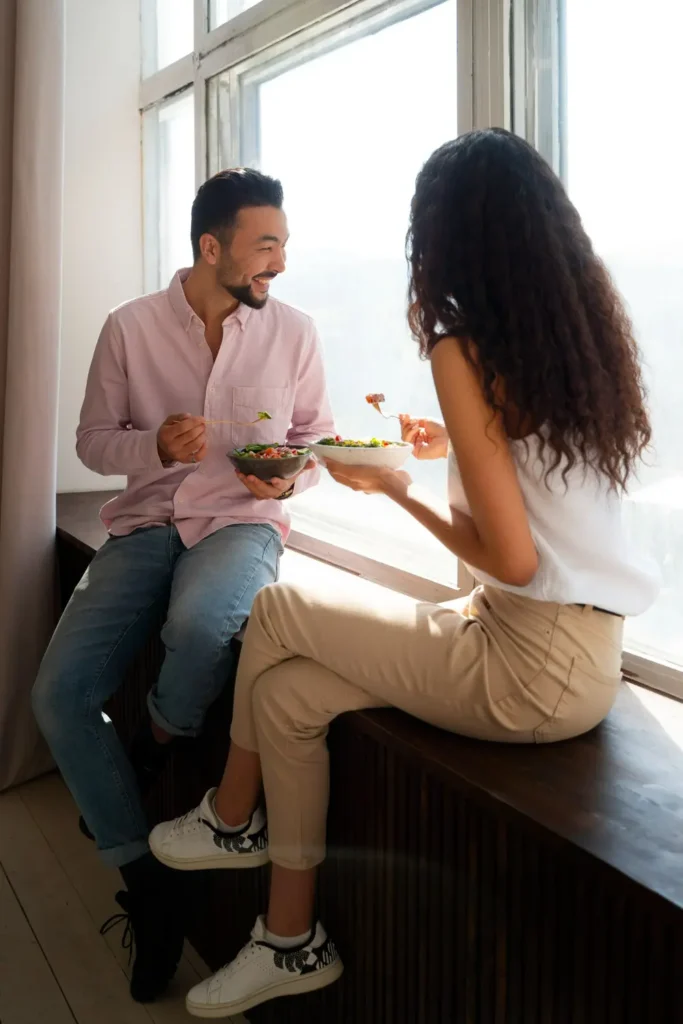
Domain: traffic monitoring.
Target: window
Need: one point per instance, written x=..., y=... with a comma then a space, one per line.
x=348, y=162
x=167, y=32
x=168, y=131
x=225, y=10
x=623, y=159
x=343, y=100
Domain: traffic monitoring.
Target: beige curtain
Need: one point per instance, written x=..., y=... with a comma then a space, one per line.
x=31, y=168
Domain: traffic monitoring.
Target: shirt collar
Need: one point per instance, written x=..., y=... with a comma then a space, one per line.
x=184, y=311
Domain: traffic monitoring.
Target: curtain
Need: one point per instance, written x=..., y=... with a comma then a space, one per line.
x=31, y=173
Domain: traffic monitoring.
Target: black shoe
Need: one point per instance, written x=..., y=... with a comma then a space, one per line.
x=154, y=929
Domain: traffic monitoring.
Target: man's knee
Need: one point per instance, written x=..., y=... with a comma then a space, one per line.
x=49, y=701
x=59, y=698
x=199, y=635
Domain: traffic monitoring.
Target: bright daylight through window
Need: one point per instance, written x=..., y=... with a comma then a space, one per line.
x=624, y=174
x=169, y=187
x=225, y=10
x=167, y=32
x=348, y=162
x=344, y=102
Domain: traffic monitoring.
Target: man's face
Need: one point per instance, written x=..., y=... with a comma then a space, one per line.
x=255, y=255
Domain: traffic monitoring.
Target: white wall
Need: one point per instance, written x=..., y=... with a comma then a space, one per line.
x=102, y=259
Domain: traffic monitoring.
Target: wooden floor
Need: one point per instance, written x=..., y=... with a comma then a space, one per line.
x=55, y=893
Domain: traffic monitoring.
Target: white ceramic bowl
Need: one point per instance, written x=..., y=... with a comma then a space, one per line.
x=383, y=458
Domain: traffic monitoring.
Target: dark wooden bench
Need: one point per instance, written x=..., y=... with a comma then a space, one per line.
x=467, y=883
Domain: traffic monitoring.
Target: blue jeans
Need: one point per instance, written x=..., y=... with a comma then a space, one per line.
x=208, y=590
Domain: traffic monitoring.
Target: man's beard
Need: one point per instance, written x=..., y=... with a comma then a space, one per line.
x=244, y=294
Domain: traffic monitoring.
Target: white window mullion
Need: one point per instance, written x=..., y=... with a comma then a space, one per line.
x=489, y=63
x=151, y=201
x=201, y=24
x=465, y=58
x=148, y=38
x=538, y=77
x=201, y=133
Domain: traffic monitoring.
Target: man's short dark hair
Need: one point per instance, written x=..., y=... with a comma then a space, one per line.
x=220, y=199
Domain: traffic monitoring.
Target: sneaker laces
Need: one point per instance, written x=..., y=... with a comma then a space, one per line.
x=128, y=936
x=189, y=818
x=246, y=953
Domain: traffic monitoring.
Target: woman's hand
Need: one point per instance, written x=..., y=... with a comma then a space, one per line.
x=428, y=438
x=367, y=479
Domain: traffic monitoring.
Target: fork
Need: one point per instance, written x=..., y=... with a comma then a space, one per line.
x=375, y=400
x=240, y=423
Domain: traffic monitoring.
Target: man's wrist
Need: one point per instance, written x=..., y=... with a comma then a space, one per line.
x=286, y=494
x=164, y=458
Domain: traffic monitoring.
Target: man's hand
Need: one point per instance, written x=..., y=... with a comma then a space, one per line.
x=182, y=438
x=275, y=488
x=428, y=437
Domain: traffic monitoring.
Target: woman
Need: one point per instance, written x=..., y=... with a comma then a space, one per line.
x=537, y=376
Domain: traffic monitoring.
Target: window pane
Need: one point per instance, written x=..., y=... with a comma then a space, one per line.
x=348, y=158
x=167, y=32
x=225, y=10
x=624, y=171
x=170, y=187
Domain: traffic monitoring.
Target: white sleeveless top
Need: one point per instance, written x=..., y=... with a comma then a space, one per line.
x=584, y=557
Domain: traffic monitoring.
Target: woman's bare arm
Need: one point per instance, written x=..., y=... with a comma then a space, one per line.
x=496, y=538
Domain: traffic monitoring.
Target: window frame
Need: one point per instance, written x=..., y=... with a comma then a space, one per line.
x=151, y=207
x=268, y=33
x=351, y=22
x=500, y=82
x=482, y=95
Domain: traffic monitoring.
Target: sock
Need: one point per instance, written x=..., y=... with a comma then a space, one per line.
x=221, y=824
x=287, y=943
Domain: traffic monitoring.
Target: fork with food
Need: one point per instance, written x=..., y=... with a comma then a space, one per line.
x=376, y=399
x=260, y=416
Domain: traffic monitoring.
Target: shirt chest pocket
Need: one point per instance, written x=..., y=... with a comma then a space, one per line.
x=247, y=403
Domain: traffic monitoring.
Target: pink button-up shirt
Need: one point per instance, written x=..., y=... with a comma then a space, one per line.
x=151, y=361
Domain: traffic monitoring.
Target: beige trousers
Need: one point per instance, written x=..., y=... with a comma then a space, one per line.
x=493, y=666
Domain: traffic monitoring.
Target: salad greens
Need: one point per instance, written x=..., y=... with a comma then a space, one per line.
x=339, y=442
x=269, y=451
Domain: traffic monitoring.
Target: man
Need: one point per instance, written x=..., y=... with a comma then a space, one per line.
x=176, y=380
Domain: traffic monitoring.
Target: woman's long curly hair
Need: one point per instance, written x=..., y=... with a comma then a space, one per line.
x=500, y=259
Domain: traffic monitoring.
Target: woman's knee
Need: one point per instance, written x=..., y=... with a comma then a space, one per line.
x=271, y=599
x=283, y=698
x=269, y=695
x=261, y=609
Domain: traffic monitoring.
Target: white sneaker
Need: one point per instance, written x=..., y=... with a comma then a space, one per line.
x=195, y=841
x=262, y=972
